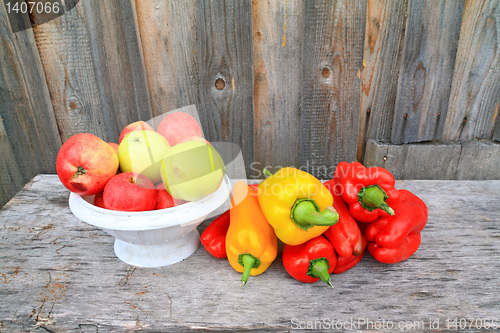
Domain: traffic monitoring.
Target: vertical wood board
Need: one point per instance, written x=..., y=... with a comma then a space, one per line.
x=93, y=63
x=278, y=30
x=383, y=48
x=430, y=47
x=25, y=108
x=475, y=94
x=11, y=180
x=169, y=37
x=225, y=70
x=333, y=56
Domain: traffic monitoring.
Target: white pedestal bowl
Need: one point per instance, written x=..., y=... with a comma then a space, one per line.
x=152, y=238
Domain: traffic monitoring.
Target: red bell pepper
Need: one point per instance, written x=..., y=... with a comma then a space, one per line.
x=346, y=263
x=369, y=192
x=213, y=237
x=345, y=236
x=395, y=238
x=310, y=261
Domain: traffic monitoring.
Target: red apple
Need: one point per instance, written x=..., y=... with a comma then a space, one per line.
x=136, y=126
x=130, y=192
x=164, y=199
x=194, y=138
x=99, y=200
x=85, y=163
x=114, y=146
x=177, y=126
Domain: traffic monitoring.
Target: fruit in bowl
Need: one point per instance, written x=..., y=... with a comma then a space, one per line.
x=142, y=152
x=152, y=226
x=85, y=163
x=192, y=170
x=135, y=126
x=178, y=126
x=129, y=192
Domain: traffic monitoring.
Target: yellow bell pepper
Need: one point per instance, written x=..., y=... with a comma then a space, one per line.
x=251, y=244
x=297, y=205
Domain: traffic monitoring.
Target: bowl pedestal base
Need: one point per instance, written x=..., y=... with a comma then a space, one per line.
x=158, y=255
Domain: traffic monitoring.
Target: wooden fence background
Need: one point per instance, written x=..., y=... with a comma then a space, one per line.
x=411, y=85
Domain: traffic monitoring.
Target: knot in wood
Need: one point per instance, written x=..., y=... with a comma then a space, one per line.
x=220, y=84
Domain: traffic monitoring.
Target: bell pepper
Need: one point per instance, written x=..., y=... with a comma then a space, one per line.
x=213, y=238
x=395, y=238
x=297, y=205
x=345, y=236
x=310, y=261
x=251, y=244
x=369, y=192
x=346, y=263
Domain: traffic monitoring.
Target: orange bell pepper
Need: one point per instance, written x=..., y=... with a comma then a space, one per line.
x=251, y=244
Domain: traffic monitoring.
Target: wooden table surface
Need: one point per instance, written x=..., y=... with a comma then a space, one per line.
x=58, y=273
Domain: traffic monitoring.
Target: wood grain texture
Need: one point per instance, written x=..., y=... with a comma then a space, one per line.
x=430, y=48
x=278, y=30
x=11, y=180
x=94, y=68
x=333, y=56
x=468, y=160
x=170, y=46
x=30, y=138
x=475, y=94
x=225, y=59
x=60, y=274
x=383, y=49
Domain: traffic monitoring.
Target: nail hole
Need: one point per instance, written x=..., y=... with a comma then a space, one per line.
x=220, y=84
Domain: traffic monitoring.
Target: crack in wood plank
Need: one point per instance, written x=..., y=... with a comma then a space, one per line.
x=125, y=279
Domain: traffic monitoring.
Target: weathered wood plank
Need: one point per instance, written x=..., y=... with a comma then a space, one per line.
x=455, y=160
x=29, y=129
x=225, y=70
x=385, y=29
x=11, y=180
x=475, y=94
x=170, y=45
x=95, y=72
x=479, y=160
x=60, y=274
x=278, y=29
x=333, y=56
x=430, y=48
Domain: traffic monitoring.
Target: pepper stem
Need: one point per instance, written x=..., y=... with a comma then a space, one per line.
x=305, y=214
x=248, y=261
x=319, y=268
x=373, y=197
x=267, y=173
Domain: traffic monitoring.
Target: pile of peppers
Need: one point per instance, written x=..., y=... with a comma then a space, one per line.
x=325, y=228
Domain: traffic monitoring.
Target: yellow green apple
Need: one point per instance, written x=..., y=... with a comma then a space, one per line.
x=142, y=152
x=192, y=170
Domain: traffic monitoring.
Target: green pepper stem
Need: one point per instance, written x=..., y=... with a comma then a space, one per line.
x=319, y=268
x=373, y=197
x=248, y=262
x=267, y=173
x=305, y=213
